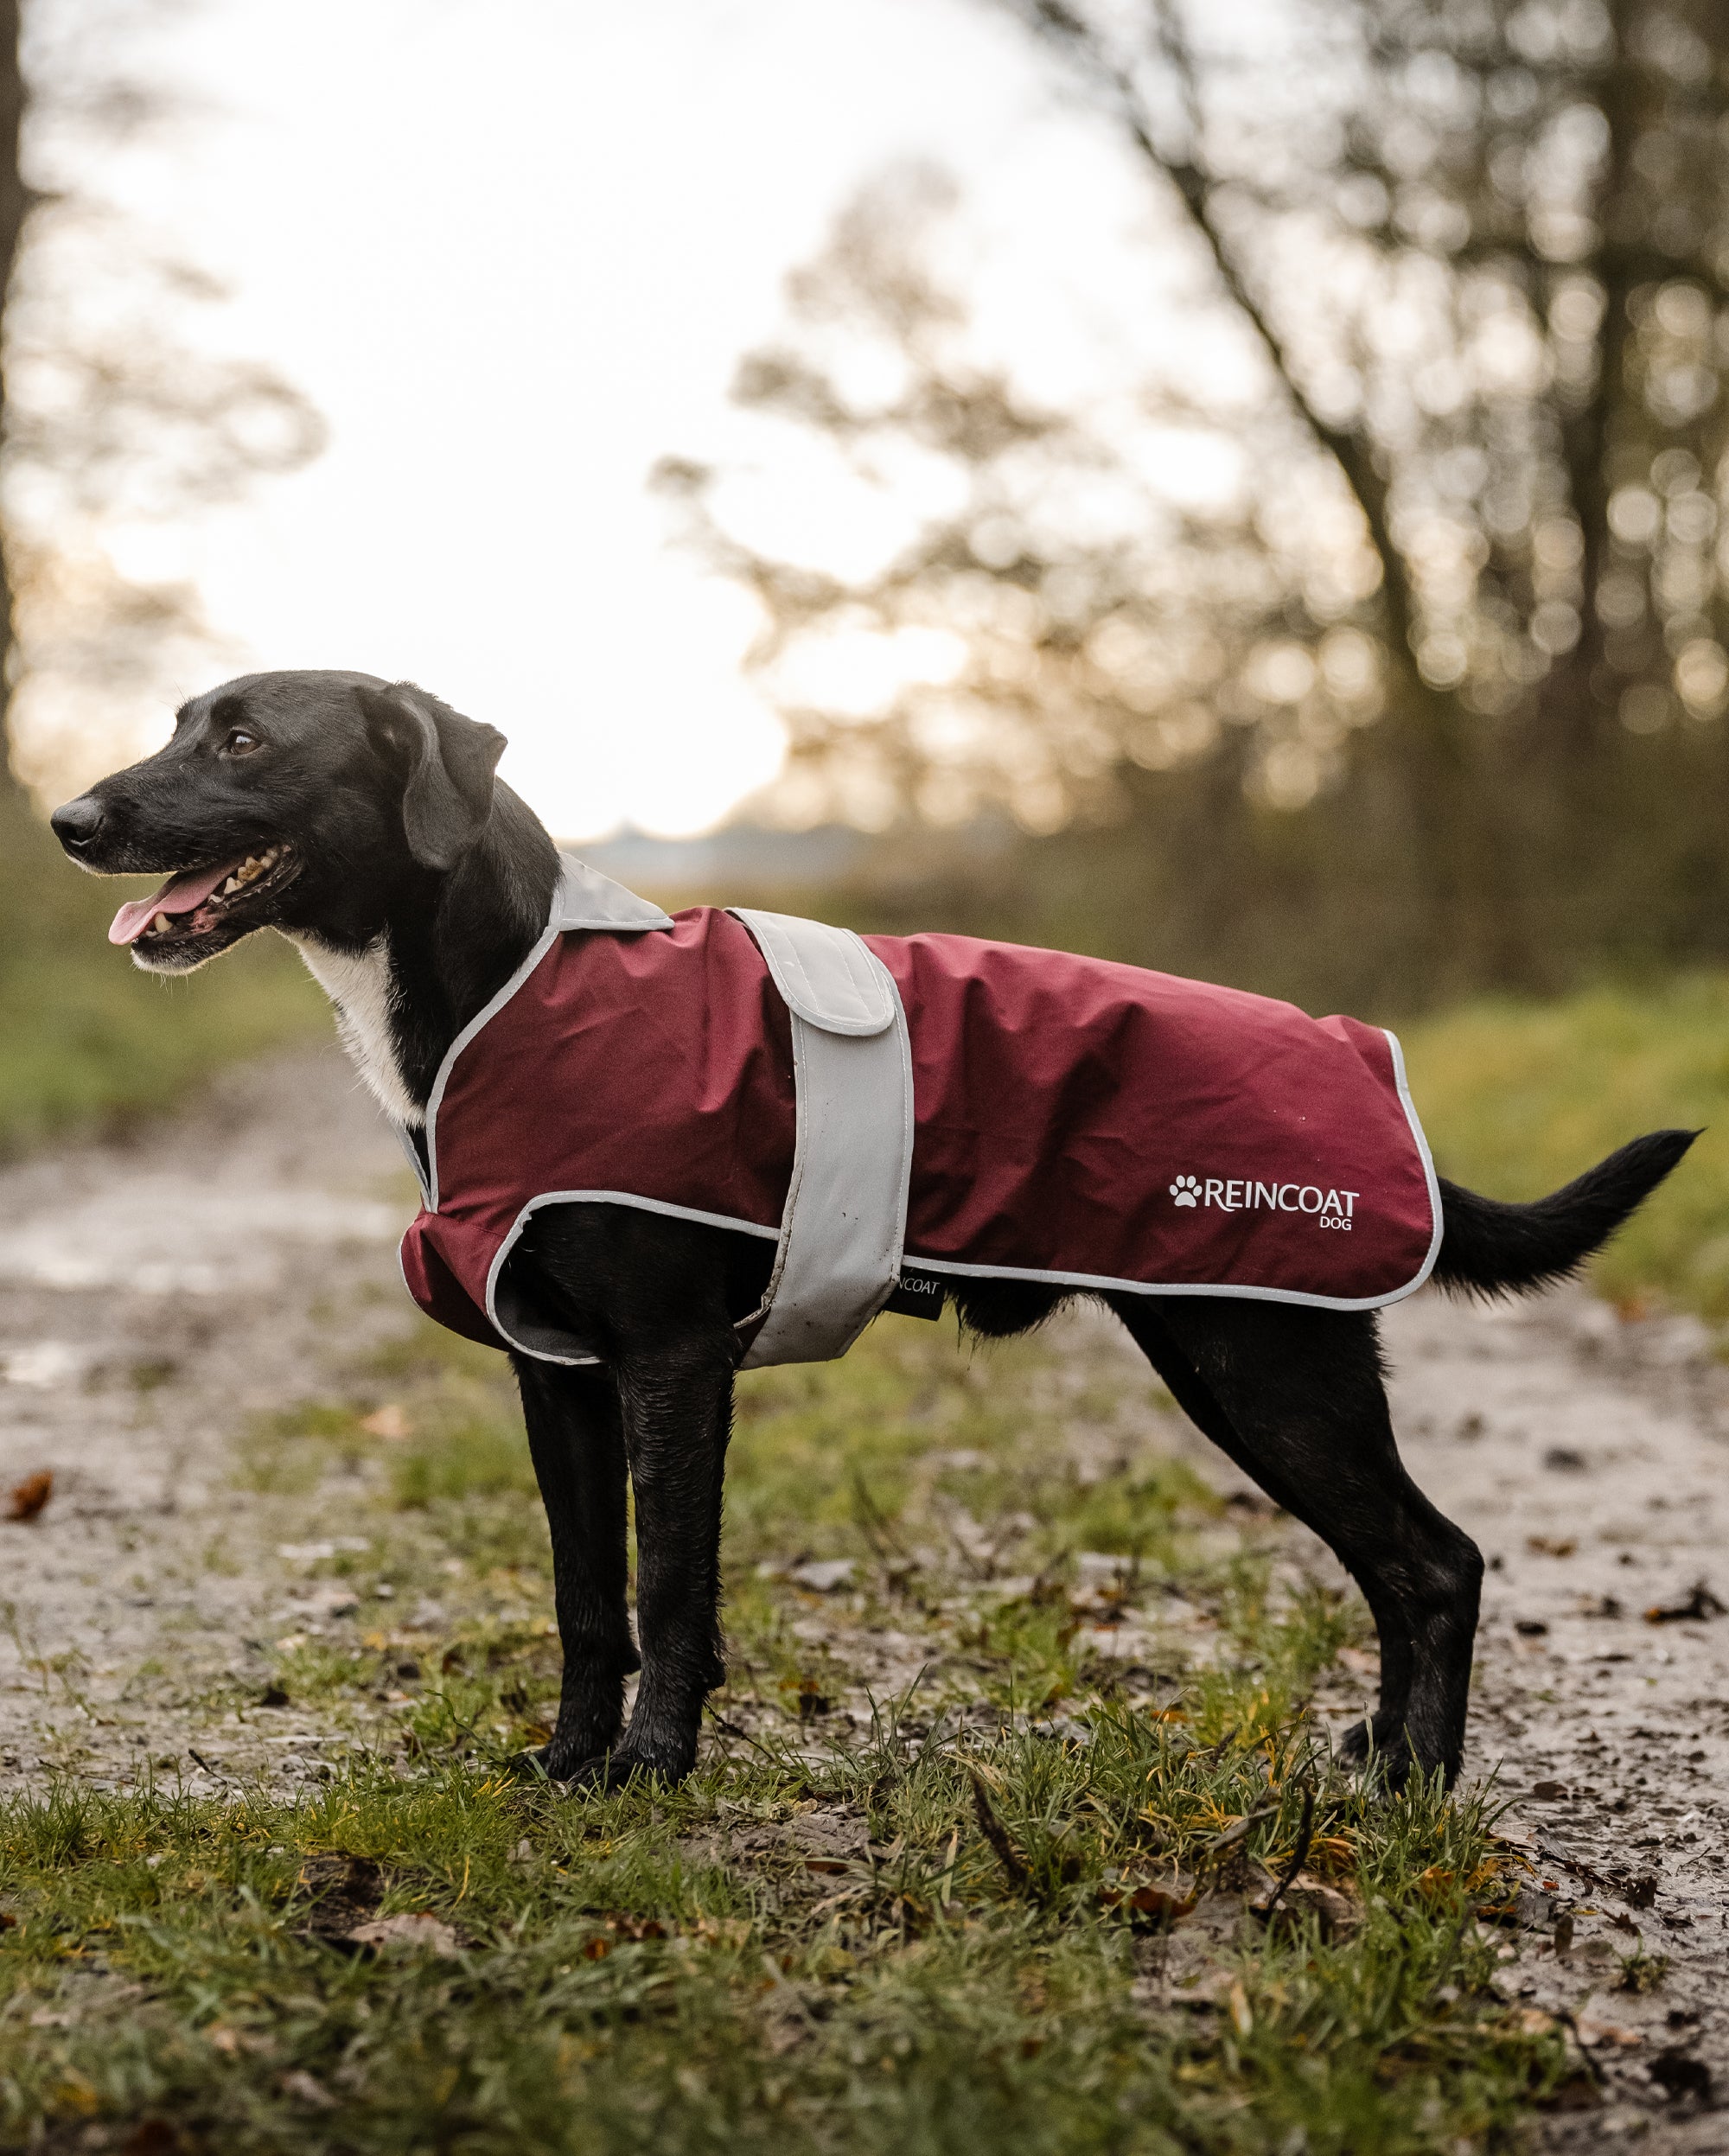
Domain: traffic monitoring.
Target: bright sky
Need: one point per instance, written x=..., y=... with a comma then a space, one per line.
x=513, y=254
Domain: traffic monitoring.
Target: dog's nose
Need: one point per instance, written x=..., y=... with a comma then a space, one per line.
x=77, y=823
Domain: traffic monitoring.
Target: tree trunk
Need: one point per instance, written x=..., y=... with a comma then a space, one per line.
x=13, y=202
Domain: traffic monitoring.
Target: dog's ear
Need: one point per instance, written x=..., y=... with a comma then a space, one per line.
x=449, y=761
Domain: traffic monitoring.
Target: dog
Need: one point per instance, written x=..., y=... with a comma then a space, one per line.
x=363, y=821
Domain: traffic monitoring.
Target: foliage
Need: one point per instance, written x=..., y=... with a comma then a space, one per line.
x=120, y=417
x=1436, y=684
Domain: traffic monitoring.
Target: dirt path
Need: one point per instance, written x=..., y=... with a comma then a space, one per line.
x=156, y=1299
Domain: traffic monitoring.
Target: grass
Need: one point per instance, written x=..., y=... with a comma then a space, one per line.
x=1518, y=1098
x=86, y=1039
x=918, y=1896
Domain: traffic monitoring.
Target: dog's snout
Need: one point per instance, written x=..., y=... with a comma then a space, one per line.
x=76, y=823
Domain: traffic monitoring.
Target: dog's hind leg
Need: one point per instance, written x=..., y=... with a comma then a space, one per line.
x=576, y=1439
x=1295, y=1397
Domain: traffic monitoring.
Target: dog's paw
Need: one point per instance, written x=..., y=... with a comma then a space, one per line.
x=563, y=1757
x=1353, y=1746
x=1381, y=1761
x=615, y=1770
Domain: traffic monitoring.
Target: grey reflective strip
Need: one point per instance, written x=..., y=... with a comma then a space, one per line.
x=845, y=1217
x=826, y=975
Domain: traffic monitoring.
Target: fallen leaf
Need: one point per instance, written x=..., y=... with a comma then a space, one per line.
x=150, y=2136
x=1591, y=2034
x=1698, y=1605
x=1163, y=1905
x=1551, y=1546
x=420, y=1931
x=388, y=1421
x=29, y=1496
x=1548, y=1791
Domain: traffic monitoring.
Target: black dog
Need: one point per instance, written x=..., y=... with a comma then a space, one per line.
x=364, y=821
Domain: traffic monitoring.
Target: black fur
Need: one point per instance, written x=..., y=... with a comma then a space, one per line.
x=401, y=842
x=1495, y=1249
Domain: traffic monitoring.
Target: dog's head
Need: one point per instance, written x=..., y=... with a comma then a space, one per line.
x=305, y=801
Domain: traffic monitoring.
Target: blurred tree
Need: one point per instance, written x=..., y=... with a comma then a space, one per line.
x=116, y=415
x=1482, y=252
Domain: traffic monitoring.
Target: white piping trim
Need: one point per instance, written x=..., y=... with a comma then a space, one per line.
x=597, y=1198
x=435, y=1100
x=561, y=920
x=404, y=1139
x=1435, y=1212
x=1102, y=1284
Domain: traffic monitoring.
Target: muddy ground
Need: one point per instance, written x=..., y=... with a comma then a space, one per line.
x=161, y=1296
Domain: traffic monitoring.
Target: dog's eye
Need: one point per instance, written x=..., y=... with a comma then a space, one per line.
x=241, y=743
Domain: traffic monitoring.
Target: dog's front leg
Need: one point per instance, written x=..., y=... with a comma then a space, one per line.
x=677, y=1416
x=576, y=1439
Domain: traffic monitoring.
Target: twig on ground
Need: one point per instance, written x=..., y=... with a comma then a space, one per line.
x=1299, y=1855
x=1013, y=1864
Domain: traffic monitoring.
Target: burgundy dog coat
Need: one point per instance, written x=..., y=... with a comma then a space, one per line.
x=1070, y=1120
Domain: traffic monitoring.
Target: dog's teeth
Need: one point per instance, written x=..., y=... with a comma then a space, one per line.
x=232, y=884
x=162, y=924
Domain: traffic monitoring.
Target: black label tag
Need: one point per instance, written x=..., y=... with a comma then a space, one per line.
x=917, y=1295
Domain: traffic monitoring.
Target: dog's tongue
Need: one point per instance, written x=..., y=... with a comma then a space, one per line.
x=179, y=895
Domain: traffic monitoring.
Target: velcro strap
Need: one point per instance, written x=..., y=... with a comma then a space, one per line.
x=826, y=975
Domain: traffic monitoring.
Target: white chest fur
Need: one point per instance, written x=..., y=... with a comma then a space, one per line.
x=359, y=984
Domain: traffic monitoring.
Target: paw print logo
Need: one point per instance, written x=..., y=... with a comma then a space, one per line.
x=1186, y=1191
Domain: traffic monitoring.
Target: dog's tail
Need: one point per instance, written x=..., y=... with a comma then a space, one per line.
x=1488, y=1249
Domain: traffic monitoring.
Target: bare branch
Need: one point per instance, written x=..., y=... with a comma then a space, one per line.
x=1196, y=190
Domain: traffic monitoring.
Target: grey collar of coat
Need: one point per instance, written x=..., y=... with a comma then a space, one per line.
x=586, y=899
